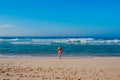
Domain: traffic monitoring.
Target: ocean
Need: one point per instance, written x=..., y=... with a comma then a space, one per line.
x=47, y=46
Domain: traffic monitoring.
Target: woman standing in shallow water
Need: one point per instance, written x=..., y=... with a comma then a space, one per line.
x=59, y=52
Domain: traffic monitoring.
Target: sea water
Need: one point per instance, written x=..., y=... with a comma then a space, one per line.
x=47, y=46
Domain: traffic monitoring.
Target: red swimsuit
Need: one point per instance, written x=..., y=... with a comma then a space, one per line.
x=59, y=51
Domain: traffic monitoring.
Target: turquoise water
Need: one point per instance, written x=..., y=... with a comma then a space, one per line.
x=47, y=46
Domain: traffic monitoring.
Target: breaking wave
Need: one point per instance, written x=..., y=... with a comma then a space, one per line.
x=85, y=41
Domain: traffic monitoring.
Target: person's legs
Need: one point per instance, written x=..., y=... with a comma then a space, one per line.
x=59, y=55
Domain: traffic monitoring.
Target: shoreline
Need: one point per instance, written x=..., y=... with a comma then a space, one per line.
x=55, y=56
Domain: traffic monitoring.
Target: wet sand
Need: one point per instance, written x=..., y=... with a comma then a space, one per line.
x=96, y=68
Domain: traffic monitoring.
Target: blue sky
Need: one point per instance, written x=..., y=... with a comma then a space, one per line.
x=60, y=18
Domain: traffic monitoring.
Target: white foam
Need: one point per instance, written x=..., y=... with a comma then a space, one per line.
x=14, y=56
x=46, y=43
x=79, y=40
x=15, y=39
x=85, y=41
x=20, y=42
x=92, y=41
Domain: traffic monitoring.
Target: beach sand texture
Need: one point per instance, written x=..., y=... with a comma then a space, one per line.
x=96, y=68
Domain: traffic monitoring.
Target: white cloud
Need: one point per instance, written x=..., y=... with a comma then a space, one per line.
x=7, y=25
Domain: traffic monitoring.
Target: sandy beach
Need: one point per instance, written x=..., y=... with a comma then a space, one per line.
x=96, y=68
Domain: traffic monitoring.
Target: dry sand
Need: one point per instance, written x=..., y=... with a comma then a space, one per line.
x=96, y=68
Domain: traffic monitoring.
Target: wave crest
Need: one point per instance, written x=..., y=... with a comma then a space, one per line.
x=85, y=41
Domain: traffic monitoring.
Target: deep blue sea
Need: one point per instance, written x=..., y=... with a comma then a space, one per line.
x=47, y=46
